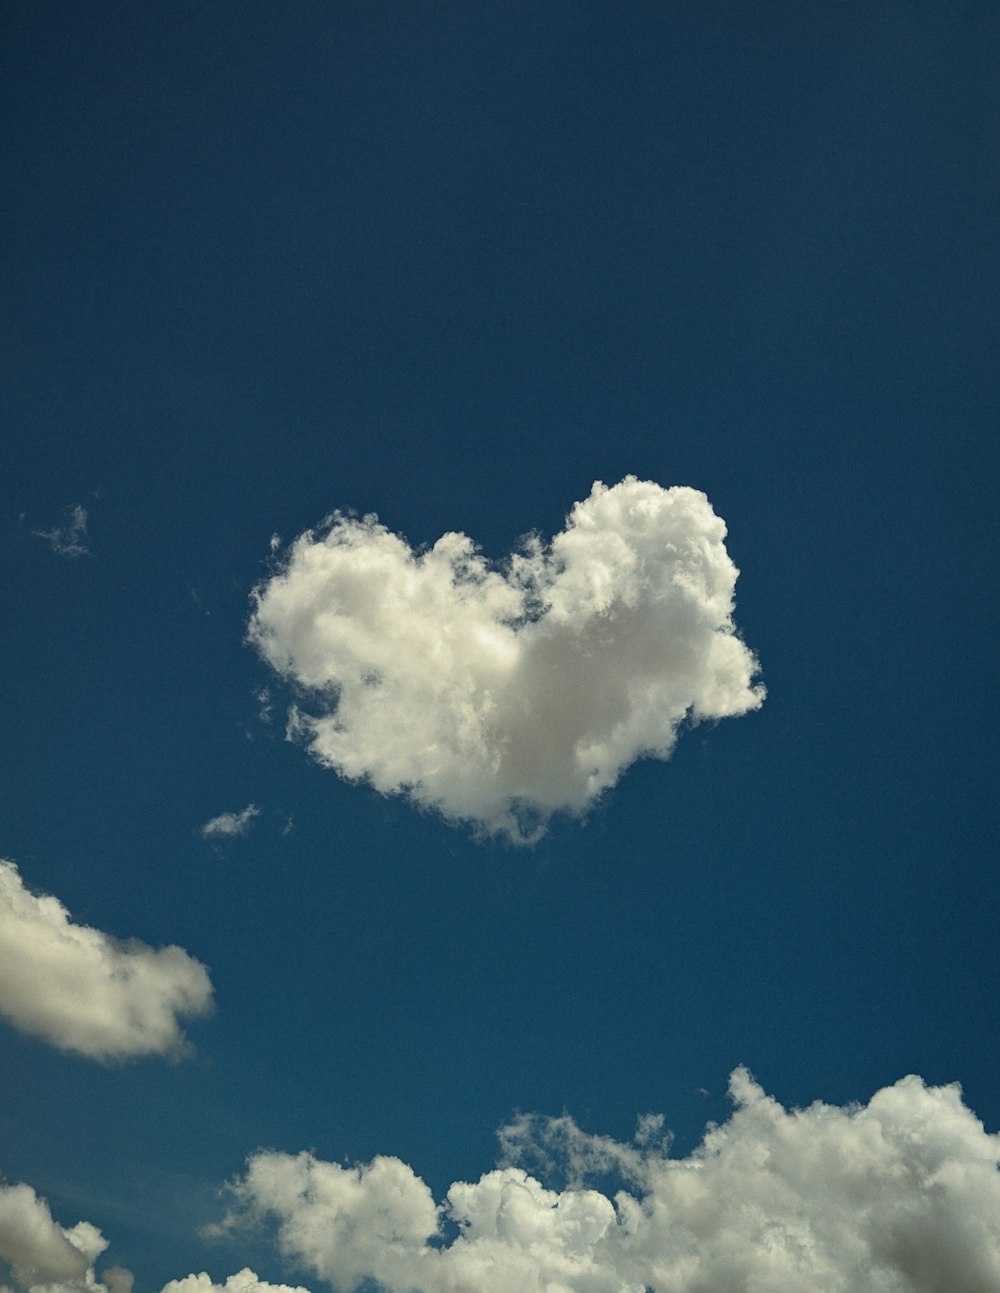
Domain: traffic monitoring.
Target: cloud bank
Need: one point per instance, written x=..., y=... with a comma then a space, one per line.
x=87, y=992
x=901, y=1196
x=499, y=696
x=229, y=824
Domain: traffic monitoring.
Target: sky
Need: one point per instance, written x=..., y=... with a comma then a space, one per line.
x=500, y=695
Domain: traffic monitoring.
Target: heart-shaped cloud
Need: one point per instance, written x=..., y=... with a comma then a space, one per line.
x=499, y=696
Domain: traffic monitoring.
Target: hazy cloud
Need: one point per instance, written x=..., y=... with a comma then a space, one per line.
x=117, y=1279
x=69, y=537
x=228, y=824
x=901, y=1196
x=87, y=992
x=263, y=698
x=499, y=696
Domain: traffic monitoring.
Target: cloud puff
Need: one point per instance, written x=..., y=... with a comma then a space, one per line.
x=69, y=537
x=228, y=824
x=901, y=1196
x=501, y=696
x=87, y=992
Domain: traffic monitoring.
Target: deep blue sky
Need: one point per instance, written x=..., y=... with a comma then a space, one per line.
x=452, y=263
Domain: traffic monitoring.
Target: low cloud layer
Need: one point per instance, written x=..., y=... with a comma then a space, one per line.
x=502, y=696
x=227, y=825
x=901, y=1196
x=87, y=992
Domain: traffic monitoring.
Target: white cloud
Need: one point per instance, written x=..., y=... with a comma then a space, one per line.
x=69, y=537
x=87, y=992
x=229, y=824
x=244, y=1281
x=901, y=1196
x=44, y=1257
x=501, y=696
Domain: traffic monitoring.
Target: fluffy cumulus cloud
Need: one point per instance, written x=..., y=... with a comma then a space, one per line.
x=900, y=1196
x=499, y=696
x=87, y=992
x=227, y=825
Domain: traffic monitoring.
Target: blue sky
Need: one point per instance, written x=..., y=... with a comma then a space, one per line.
x=452, y=265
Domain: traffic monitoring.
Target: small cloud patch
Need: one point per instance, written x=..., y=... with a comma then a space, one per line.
x=69, y=537
x=227, y=825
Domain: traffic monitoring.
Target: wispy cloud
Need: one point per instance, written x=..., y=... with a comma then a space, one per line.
x=230, y=824
x=902, y=1195
x=501, y=696
x=263, y=698
x=84, y=991
x=69, y=537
